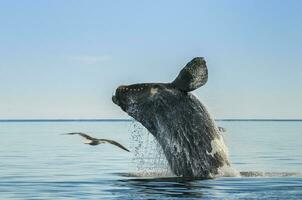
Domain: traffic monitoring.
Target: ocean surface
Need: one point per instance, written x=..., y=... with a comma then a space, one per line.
x=38, y=162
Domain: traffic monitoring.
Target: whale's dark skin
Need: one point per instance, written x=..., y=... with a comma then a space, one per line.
x=180, y=123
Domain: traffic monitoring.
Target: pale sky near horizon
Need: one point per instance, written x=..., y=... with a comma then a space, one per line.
x=64, y=59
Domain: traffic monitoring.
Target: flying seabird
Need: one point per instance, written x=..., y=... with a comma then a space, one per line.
x=95, y=141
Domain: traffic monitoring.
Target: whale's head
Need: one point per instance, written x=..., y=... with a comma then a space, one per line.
x=180, y=123
x=138, y=99
x=143, y=99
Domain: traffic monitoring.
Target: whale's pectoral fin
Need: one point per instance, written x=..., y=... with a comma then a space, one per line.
x=221, y=129
x=192, y=76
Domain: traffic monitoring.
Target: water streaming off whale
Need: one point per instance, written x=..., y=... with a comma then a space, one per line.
x=148, y=156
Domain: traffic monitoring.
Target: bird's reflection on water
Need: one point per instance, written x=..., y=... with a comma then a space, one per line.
x=160, y=187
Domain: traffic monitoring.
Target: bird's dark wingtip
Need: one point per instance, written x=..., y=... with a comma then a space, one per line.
x=66, y=133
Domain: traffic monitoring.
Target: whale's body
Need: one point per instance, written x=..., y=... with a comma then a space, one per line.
x=189, y=137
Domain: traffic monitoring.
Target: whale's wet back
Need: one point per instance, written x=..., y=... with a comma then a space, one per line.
x=180, y=123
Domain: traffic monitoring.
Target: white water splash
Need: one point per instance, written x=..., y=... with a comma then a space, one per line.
x=269, y=174
x=227, y=171
x=148, y=155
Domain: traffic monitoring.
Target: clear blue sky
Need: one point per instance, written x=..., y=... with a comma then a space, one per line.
x=64, y=59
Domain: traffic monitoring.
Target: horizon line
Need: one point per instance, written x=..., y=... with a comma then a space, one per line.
x=129, y=119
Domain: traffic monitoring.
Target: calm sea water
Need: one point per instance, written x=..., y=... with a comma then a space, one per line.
x=37, y=162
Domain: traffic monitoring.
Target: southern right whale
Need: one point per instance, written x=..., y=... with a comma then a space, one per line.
x=188, y=135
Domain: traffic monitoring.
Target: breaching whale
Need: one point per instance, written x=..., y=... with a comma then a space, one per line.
x=189, y=137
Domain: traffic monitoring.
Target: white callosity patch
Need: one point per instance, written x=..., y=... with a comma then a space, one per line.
x=153, y=91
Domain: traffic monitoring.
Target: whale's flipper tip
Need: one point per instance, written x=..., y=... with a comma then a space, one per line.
x=221, y=129
x=192, y=76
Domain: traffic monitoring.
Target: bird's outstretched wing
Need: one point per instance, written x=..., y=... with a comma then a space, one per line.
x=83, y=135
x=101, y=140
x=114, y=143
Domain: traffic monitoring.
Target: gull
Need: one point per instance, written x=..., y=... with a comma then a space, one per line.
x=95, y=141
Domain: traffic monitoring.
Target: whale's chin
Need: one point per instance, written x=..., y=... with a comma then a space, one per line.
x=114, y=100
